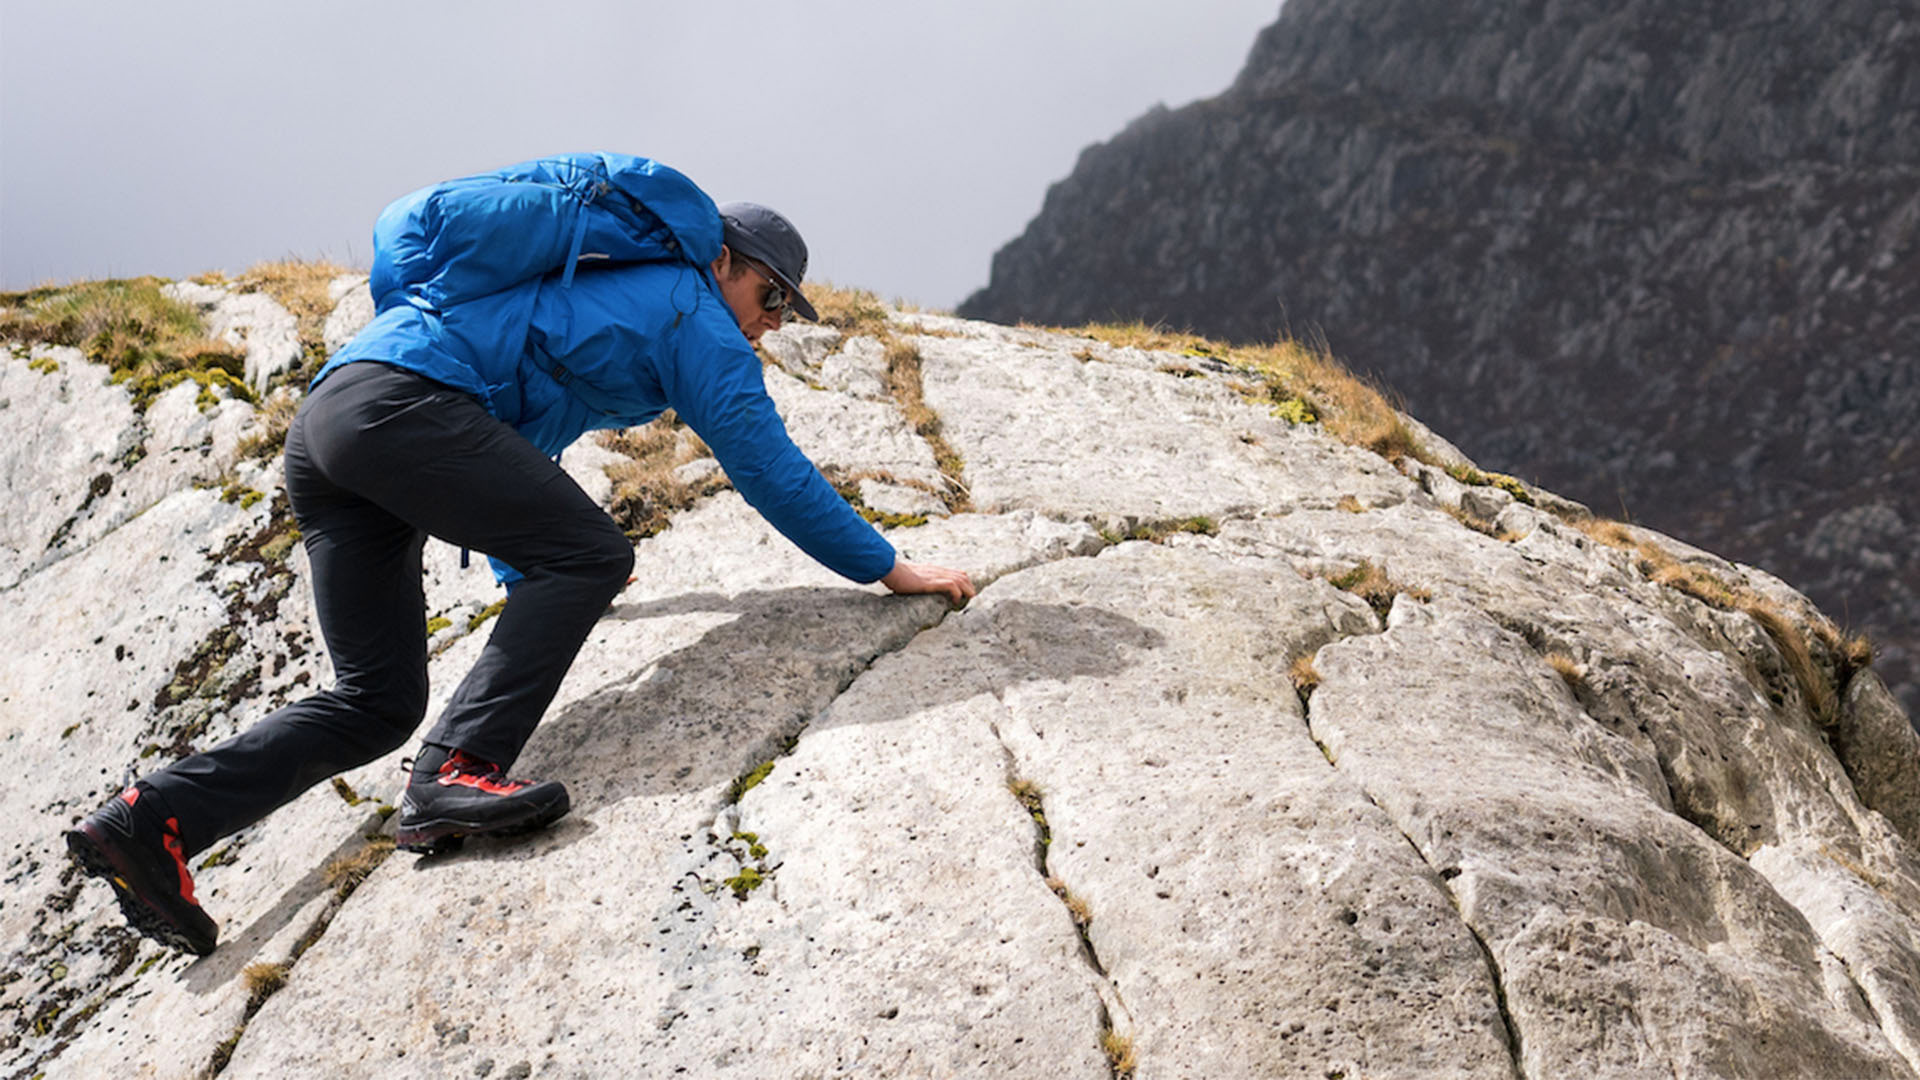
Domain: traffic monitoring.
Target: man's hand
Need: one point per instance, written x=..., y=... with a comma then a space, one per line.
x=906, y=577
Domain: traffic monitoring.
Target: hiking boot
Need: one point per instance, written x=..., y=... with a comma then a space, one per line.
x=140, y=855
x=470, y=797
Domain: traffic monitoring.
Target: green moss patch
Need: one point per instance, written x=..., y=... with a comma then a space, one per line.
x=149, y=341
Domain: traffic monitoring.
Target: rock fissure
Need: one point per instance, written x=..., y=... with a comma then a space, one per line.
x=344, y=873
x=1510, y=1028
x=1031, y=798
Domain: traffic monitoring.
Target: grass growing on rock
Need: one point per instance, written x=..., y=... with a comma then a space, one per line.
x=1300, y=382
x=904, y=384
x=1820, y=681
x=1119, y=1051
x=1304, y=676
x=646, y=491
x=1569, y=670
x=345, y=873
x=851, y=311
x=148, y=341
x=1370, y=583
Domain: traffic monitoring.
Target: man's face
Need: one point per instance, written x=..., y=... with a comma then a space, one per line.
x=745, y=287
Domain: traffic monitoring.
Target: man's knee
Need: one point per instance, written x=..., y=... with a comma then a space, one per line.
x=608, y=556
x=389, y=713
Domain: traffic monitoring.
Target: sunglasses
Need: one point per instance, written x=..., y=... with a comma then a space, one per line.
x=775, y=298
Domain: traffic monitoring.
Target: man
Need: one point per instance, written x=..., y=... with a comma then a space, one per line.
x=446, y=423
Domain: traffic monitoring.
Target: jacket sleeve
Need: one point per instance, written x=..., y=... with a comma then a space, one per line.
x=713, y=381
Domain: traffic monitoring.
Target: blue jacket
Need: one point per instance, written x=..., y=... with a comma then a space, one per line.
x=631, y=341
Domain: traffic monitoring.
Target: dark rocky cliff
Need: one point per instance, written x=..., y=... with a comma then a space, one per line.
x=1658, y=257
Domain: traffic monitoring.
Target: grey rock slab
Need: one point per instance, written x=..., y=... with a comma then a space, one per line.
x=1860, y=914
x=1655, y=661
x=905, y=930
x=65, y=429
x=727, y=643
x=84, y=461
x=1878, y=745
x=859, y=369
x=352, y=311
x=97, y=637
x=800, y=348
x=1257, y=915
x=900, y=500
x=252, y=320
x=1040, y=429
x=851, y=435
x=1626, y=939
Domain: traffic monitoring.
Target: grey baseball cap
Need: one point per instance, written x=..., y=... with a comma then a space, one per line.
x=764, y=236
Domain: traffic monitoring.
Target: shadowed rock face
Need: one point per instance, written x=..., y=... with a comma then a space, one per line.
x=1660, y=257
x=1179, y=800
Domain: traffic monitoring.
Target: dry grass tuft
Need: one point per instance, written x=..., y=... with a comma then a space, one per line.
x=262, y=981
x=1138, y=335
x=646, y=494
x=904, y=386
x=1119, y=1051
x=1820, y=689
x=150, y=342
x=1350, y=504
x=852, y=311
x=1370, y=583
x=1026, y=791
x=1076, y=907
x=1819, y=695
x=1569, y=669
x=345, y=873
x=1303, y=674
x=269, y=434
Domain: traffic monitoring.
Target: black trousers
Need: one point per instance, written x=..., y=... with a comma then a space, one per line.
x=377, y=460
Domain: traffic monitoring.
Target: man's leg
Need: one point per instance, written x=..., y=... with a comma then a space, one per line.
x=366, y=577
x=365, y=568
x=474, y=481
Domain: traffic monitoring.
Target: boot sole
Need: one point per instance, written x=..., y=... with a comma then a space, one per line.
x=444, y=835
x=99, y=859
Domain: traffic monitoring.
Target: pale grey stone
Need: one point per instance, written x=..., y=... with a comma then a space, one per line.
x=800, y=348
x=1566, y=868
x=900, y=500
x=352, y=311
x=850, y=435
x=1128, y=446
x=253, y=321
x=1658, y=863
x=1146, y=693
x=1877, y=744
x=697, y=472
x=859, y=369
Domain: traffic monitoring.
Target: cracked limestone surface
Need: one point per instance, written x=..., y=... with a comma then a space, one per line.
x=728, y=643
x=251, y=320
x=79, y=461
x=1258, y=916
x=1626, y=938
x=1128, y=445
x=1451, y=860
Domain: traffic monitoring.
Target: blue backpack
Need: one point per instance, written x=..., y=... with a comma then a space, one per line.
x=467, y=238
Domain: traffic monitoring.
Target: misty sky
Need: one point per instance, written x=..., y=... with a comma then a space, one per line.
x=907, y=141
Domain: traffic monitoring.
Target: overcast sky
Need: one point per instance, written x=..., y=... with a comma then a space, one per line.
x=908, y=141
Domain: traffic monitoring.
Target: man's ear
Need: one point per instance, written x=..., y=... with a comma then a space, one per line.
x=723, y=262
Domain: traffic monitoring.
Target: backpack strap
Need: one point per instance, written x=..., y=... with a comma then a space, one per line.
x=594, y=398
x=579, y=231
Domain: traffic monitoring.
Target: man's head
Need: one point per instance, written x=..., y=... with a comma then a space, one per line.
x=763, y=263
